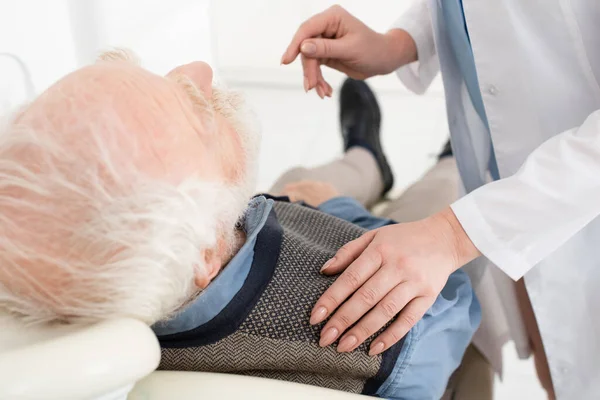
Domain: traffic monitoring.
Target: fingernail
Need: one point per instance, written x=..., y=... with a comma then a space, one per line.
x=328, y=337
x=318, y=315
x=320, y=92
x=347, y=344
x=327, y=264
x=305, y=84
x=282, y=58
x=308, y=48
x=376, y=348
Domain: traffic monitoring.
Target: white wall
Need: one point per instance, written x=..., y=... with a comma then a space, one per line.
x=163, y=33
x=38, y=32
x=54, y=37
x=243, y=40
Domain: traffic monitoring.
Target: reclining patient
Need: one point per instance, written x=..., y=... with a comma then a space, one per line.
x=124, y=193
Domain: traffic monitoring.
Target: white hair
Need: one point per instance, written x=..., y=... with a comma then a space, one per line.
x=129, y=245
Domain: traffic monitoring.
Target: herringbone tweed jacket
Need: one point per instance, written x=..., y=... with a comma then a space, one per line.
x=264, y=331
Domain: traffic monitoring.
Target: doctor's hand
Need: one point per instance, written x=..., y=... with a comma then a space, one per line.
x=395, y=271
x=337, y=39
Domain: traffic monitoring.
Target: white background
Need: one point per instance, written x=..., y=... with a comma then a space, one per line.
x=243, y=40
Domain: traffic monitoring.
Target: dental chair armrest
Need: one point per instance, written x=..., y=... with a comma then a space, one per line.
x=168, y=385
x=85, y=363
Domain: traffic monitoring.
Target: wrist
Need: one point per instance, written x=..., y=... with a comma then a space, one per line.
x=400, y=47
x=461, y=248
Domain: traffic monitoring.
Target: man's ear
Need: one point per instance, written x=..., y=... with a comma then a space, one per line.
x=212, y=265
x=199, y=73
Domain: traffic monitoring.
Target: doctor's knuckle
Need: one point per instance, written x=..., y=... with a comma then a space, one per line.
x=329, y=301
x=382, y=248
x=345, y=250
x=351, y=279
x=389, y=308
x=363, y=331
x=373, y=258
x=420, y=278
x=343, y=320
x=368, y=295
x=393, y=335
x=305, y=27
x=409, y=319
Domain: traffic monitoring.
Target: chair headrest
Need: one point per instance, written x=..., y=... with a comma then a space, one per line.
x=74, y=362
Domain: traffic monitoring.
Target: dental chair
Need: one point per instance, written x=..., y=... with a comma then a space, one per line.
x=116, y=360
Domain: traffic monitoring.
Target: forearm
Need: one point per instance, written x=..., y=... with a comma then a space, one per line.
x=517, y=221
x=421, y=65
x=402, y=48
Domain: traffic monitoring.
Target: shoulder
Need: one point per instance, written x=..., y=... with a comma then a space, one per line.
x=300, y=219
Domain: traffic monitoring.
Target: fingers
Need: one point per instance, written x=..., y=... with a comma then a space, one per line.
x=326, y=89
x=329, y=89
x=368, y=296
x=307, y=41
x=314, y=26
x=324, y=48
x=312, y=72
x=408, y=317
x=313, y=77
x=351, y=280
x=347, y=254
x=382, y=313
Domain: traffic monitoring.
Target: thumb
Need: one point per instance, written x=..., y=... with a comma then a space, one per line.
x=324, y=48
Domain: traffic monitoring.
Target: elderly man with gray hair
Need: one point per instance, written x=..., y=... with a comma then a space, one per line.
x=124, y=193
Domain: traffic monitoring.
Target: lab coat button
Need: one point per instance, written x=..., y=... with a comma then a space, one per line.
x=492, y=90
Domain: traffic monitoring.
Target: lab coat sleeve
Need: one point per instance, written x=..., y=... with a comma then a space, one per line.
x=417, y=76
x=518, y=221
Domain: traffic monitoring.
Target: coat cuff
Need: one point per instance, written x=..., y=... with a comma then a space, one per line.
x=482, y=235
x=419, y=75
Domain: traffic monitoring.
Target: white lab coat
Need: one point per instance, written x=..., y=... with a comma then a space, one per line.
x=538, y=64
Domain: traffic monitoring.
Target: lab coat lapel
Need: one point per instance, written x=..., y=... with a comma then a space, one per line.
x=463, y=120
x=470, y=162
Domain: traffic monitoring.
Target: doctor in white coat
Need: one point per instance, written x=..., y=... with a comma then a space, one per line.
x=522, y=84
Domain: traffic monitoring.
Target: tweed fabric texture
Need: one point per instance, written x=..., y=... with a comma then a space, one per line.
x=276, y=340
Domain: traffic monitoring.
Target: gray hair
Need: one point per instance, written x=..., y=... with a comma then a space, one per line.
x=85, y=235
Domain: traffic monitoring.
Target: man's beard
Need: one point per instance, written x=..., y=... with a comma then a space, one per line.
x=232, y=107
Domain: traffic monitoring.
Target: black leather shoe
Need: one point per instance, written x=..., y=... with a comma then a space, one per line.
x=360, y=119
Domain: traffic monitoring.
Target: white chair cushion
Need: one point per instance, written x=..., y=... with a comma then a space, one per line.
x=74, y=362
x=168, y=385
